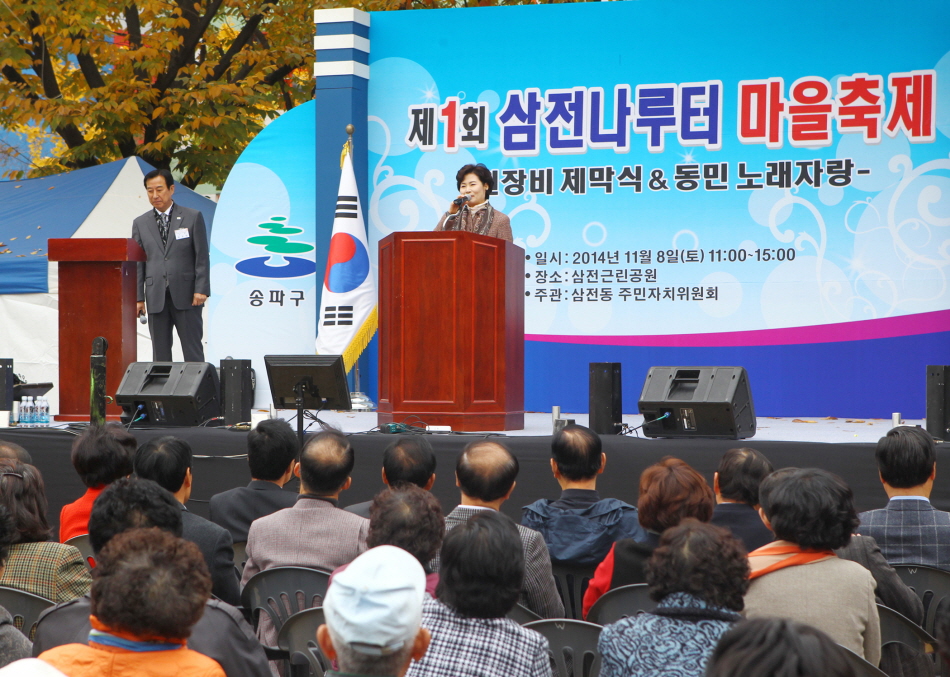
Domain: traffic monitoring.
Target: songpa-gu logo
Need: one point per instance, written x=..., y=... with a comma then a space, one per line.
x=278, y=263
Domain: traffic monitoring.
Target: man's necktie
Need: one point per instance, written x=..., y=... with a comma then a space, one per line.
x=163, y=227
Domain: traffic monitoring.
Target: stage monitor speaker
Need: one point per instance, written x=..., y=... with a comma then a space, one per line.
x=179, y=394
x=605, y=398
x=6, y=384
x=237, y=391
x=697, y=402
x=938, y=401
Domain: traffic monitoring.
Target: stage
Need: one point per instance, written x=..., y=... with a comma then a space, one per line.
x=846, y=448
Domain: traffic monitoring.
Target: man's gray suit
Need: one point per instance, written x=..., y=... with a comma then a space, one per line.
x=910, y=531
x=169, y=279
x=217, y=549
x=539, y=591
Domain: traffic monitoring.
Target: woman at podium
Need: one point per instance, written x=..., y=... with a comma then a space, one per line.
x=471, y=211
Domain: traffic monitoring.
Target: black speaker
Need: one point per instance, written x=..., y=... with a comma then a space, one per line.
x=179, y=394
x=6, y=384
x=938, y=401
x=605, y=399
x=697, y=402
x=237, y=391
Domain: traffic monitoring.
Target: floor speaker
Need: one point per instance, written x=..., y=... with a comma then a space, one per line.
x=237, y=391
x=605, y=399
x=179, y=394
x=938, y=401
x=6, y=384
x=697, y=402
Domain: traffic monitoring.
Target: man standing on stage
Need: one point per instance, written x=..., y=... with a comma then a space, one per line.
x=174, y=280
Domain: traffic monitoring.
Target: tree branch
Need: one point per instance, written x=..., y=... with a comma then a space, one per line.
x=132, y=26
x=90, y=71
x=244, y=37
x=280, y=73
x=197, y=25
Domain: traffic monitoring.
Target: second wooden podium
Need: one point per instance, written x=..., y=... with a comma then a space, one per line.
x=451, y=331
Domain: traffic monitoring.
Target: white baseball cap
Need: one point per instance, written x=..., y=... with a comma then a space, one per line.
x=375, y=604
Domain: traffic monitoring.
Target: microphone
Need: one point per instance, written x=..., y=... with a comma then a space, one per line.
x=143, y=319
x=460, y=200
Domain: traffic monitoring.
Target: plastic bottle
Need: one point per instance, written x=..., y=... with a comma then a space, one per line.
x=26, y=412
x=44, y=412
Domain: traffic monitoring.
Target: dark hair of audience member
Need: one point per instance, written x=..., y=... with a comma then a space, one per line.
x=577, y=452
x=701, y=559
x=271, y=447
x=150, y=584
x=407, y=517
x=99, y=458
x=810, y=507
x=482, y=566
x=123, y=437
x=132, y=503
x=671, y=490
x=23, y=494
x=776, y=647
x=942, y=630
x=164, y=460
x=486, y=470
x=14, y=451
x=741, y=471
x=326, y=462
x=7, y=534
x=481, y=171
x=906, y=456
x=409, y=459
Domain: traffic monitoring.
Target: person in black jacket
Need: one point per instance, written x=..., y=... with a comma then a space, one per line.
x=736, y=486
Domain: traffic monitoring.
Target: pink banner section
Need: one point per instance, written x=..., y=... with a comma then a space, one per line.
x=862, y=330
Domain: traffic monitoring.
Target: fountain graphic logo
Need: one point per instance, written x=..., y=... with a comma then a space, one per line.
x=278, y=265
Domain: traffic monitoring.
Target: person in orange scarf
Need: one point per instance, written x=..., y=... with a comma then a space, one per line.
x=148, y=590
x=798, y=576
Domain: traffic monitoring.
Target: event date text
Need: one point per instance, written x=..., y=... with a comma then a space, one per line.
x=649, y=256
x=742, y=255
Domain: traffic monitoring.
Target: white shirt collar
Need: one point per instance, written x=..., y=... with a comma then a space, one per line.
x=167, y=212
x=475, y=507
x=910, y=498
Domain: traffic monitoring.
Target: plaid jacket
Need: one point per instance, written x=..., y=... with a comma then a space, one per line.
x=478, y=647
x=51, y=570
x=539, y=592
x=910, y=532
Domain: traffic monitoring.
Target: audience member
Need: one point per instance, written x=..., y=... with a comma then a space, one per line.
x=485, y=474
x=480, y=581
x=698, y=575
x=133, y=503
x=909, y=529
x=167, y=461
x=314, y=532
x=30, y=667
x=272, y=449
x=409, y=459
x=409, y=518
x=580, y=526
x=374, y=613
x=100, y=455
x=736, y=486
x=942, y=631
x=775, y=647
x=35, y=564
x=798, y=576
x=14, y=451
x=670, y=491
x=14, y=645
x=149, y=589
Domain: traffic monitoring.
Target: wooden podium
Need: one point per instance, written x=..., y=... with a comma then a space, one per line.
x=97, y=295
x=451, y=331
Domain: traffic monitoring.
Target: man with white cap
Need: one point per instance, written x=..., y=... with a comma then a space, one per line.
x=373, y=610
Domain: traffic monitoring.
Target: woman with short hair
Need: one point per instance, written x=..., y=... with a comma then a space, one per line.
x=798, y=576
x=698, y=575
x=35, y=564
x=670, y=491
x=471, y=211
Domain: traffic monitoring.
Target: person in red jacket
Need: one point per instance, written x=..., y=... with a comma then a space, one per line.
x=101, y=455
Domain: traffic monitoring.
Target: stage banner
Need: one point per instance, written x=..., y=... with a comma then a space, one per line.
x=764, y=185
x=263, y=286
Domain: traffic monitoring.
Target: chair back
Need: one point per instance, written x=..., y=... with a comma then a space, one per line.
x=283, y=591
x=521, y=614
x=298, y=637
x=25, y=607
x=573, y=646
x=240, y=556
x=619, y=603
x=571, y=585
x=931, y=585
x=81, y=543
x=860, y=666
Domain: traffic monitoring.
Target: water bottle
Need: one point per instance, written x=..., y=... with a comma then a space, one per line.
x=44, y=412
x=33, y=412
x=26, y=412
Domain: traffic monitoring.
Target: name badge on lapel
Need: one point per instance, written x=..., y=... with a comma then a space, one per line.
x=182, y=234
